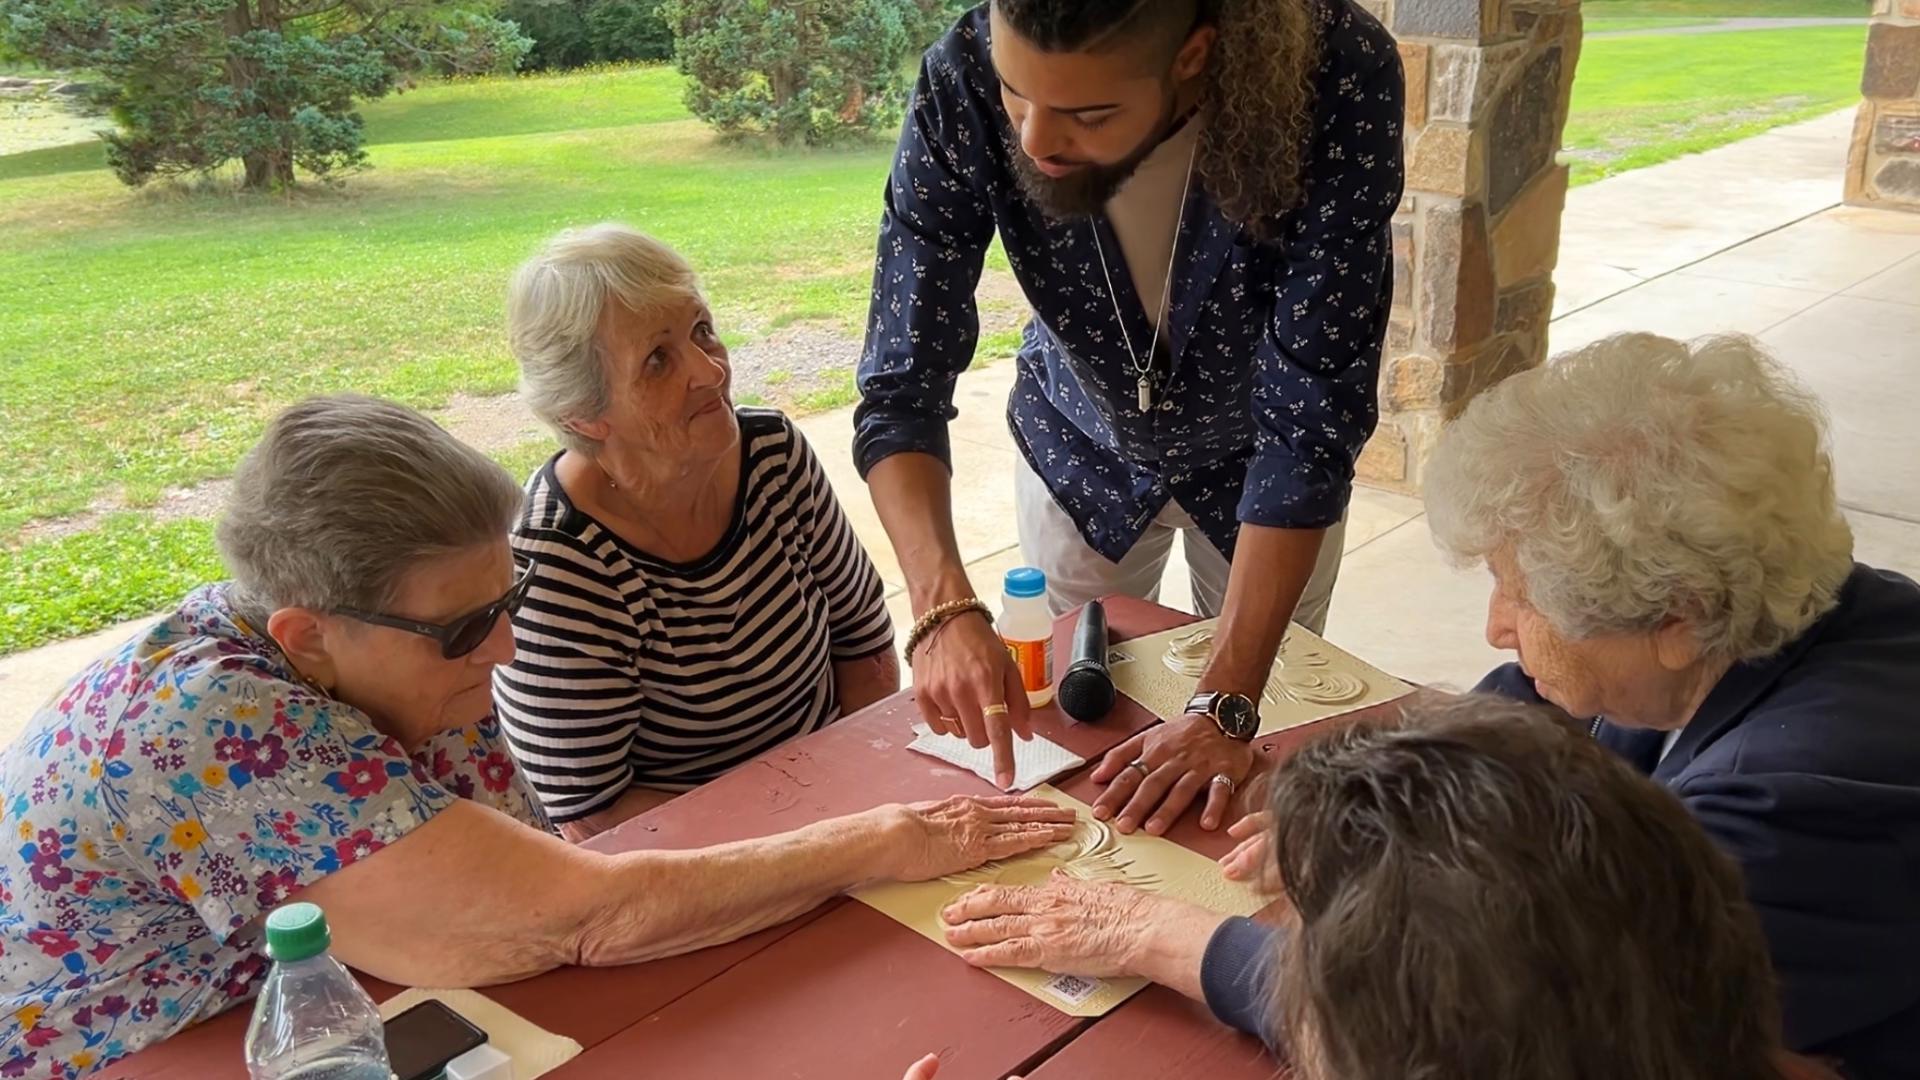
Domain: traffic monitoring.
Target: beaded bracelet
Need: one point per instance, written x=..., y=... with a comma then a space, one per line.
x=932, y=640
x=939, y=616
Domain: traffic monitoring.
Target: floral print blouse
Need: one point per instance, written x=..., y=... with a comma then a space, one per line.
x=169, y=797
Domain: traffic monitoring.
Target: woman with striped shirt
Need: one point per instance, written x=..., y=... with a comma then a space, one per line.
x=698, y=595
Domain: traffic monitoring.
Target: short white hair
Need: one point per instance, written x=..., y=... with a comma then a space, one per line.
x=554, y=304
x=344, y=496
x=1640, y=478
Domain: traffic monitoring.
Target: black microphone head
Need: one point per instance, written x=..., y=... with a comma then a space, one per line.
x=1086, y=692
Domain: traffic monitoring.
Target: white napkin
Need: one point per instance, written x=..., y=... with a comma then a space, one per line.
x=1035, y=761
x=535, y=1050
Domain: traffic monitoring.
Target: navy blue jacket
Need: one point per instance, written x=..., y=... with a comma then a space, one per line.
x=1805, y=767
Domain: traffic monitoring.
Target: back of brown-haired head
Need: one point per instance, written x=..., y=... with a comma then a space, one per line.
x=1484, y=893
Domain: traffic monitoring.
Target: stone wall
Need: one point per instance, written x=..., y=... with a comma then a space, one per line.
x=1476, y=237
x=1883, y=166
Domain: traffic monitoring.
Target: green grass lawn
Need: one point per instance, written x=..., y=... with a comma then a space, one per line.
x=148, y=335
x=130, y=566
x=1607, y=24
x=1707, y=10
x=591, y=99
x=160, y=330
x=1638, y=101
x=1606, y=16
x=28, y=69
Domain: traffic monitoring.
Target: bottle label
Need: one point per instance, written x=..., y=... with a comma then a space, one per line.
x=1035, y=661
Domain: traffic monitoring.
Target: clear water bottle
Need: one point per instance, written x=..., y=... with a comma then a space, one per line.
x=312, y=1021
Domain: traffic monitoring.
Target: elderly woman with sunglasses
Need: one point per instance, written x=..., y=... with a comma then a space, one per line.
x=309, y=728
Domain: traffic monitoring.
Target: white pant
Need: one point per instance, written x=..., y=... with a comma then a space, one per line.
x=1076, y=573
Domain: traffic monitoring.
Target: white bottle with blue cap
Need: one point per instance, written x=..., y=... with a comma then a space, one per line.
x=1026, y=625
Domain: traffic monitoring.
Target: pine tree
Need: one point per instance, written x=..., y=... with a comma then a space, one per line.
x=195, y=84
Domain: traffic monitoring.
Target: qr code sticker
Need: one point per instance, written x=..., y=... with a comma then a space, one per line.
x=1071, y=989
x=1115, y=658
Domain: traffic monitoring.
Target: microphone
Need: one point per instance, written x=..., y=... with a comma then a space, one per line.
x=1086, y=690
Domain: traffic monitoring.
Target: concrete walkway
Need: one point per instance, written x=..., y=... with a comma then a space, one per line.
x=1723, y=26
x=1630, y=229
x=1747, y=238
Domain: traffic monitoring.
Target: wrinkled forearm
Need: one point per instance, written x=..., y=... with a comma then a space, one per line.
x=474, y=898
x=1173, y=944
x=663, y=903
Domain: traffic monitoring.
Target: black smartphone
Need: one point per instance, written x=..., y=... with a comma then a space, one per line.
x=423, y=1039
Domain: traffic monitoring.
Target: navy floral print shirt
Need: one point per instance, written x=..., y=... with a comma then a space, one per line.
x=1275, y=345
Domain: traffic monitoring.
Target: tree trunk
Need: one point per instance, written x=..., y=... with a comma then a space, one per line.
x=267, y=167
x=267, y=170
x=781, y=82
x=238, y=21
x=280, y=157
x=857, y=100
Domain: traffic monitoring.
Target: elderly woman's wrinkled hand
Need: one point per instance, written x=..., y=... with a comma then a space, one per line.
x=1250, y=860
x=963, y=831
x=1067, y=925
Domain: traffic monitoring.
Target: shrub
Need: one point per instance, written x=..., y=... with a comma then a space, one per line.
x=575, y=33
x=628, y=30
x=195, y=84
x=791, y=71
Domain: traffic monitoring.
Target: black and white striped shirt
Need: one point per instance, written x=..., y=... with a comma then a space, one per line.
x=636, y=670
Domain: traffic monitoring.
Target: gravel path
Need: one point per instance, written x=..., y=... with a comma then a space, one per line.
x=780, y=369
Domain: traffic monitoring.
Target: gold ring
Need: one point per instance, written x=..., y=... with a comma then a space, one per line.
x=993, y=710
x=949, y=719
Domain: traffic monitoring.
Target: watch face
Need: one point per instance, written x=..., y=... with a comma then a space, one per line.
x=1237, y=717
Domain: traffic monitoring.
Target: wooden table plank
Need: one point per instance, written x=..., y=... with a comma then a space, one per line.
x=866, y=994
x=1158, y=1033
x=861, y=761
x=585, y=1004
x=853, y=994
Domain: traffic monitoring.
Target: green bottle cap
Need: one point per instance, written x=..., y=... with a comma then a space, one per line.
x=296, y=932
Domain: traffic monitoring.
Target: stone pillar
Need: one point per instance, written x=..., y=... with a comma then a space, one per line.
x=1477, y=235
x=1883, y=164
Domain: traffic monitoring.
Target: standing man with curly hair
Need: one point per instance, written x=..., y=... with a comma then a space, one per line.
x=1195, y=196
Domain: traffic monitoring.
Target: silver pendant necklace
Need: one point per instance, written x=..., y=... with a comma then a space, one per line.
x=1143, y=366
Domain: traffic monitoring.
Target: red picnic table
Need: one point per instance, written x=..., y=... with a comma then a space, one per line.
x=844, y=992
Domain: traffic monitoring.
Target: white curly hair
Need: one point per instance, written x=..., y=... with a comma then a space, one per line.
x=1640, y=478
x=554, y=304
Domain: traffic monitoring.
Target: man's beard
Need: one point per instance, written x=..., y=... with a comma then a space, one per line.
x=1084, y=192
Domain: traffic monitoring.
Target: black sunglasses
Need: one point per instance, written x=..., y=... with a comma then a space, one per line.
x=462, y=635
